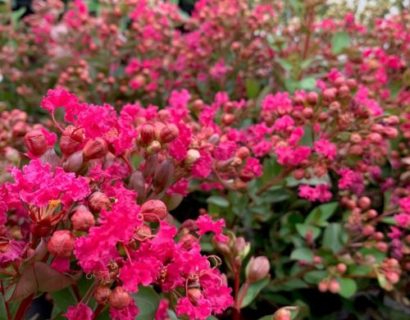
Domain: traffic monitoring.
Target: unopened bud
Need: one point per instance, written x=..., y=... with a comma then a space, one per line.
x=82, y=219
x=154, y=147
x=169, y=133
x=163, y=175
x=282, y=314
x=147, y=133
x=154, y=210
x=257, y=269
x=102, y=294
x=137, y=182
x=192, y=156
x=95, y=148
x=99, y=201
x=61, y=244
x=74, y=162
x=194, y=294
x=334, y=286
x=119, y=298
x=36, y=142
x=341, y=268
x=71, y=139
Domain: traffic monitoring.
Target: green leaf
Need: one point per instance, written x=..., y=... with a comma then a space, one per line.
x=62, y=300
x=302, y=254
x=304, y=229
x=340, y=41
x=307, y=83
x=147, y=300
x=252, y=88
x=252, y=291
x=315, y=276
x=359, y=270
x=218, y=201
x=307, y=139
x=348, y=287
x=319, y=215
x=333, y=237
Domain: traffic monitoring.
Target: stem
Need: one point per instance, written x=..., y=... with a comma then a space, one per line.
x=76, y=292
x=237, y=306
x=23, y=307
x=6, y=305
x=97, y=311
x=271, y=183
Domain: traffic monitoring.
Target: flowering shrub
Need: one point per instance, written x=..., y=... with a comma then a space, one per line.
x=249, y=159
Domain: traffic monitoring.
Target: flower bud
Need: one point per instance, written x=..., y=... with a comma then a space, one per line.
x=71, y=140
x=74, y=162
x=164, y=175
x=194, y=294
x=257, y=269
x=36, y=142
x=323, y=286
x=61, y=244
x=312, y=97
x=102, y=294
x=282, y=314
x=95, y=148
x=137, y=182
x=241, y=248
x=243, y=153
x=364, y=202
x=154, y=210
x=192, y=156
x=392, y=277
x=147, y=133
x=154, y=147
x=99, y=201
x=82, y=219
x=334, y=286
x=341, y=268
x=119, y=298
x=168, y=133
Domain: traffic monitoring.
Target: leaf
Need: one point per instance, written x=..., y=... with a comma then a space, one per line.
x=62, y=299
x=252, y=88
x=340, y=41
x=319, y=215
x=302, y=254
x=252, y=291
x=348, y=287
x=218, y=201
x=315, y=276
x=333, y=237
x=26, y=285
x=307, y=83
x=304, y=229
x=49, y=279
x=147, y=300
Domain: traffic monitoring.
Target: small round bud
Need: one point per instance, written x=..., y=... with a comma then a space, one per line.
x=257, y=269
x=312, y=97
x=194, y=294
x=36, y=142
x=334, y=286
x=168, y=133
x=119, y=298
x=192, y=156
x=61, y=244
x=71, y=139
x=323, y=286
x=154, y=147
x=341, y=268
x=82, y=219
x=99, y=201
x=392, y=277
x=147, y=133
x=95, y=148
x=102, y=294
x=74, y=162
x=282, y=314
x=154, y=210
x=364, y=202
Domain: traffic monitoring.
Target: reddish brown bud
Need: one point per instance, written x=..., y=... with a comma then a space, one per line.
x=257, y=269
x=74, y=162
x=71, y=140
x=61, y=244
x=243, y=153
x=168, y=133
x=99, y=201
x=137, y=182
x=102, y=294
x=82, y=219
x=163, y=175
x=36, y=142
x=364, y=202
x=154, y=210
x=95, y=148
x=312, y=97
x=147, y=133
x=119, y=298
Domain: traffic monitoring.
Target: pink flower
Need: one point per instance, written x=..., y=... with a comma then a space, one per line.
x=37, y=184
x=128, y=313
x=325, y=148
x=252, y=168
x=279, y=103
x=162, y=313
x=12, y=251
x=79, y=312
x=319, y=192
x=59, y=98
x=200, y=311
x=225, y=150
x=351, y=180
x=206, y=224
x=203, y=166
x=142, y=272
x=292, y=156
